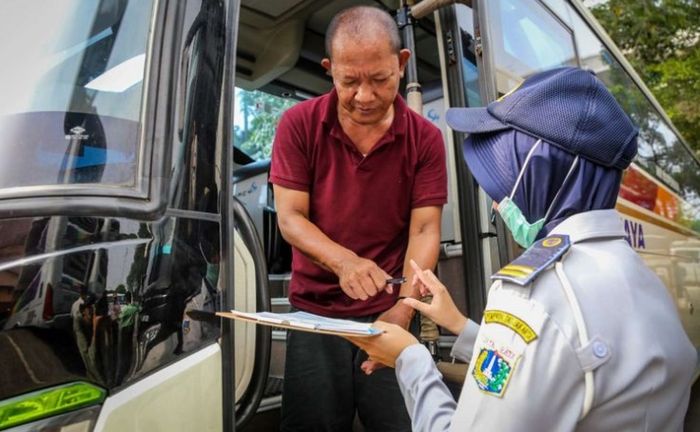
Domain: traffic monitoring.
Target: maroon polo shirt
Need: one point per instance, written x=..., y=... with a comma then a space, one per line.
x=362, y=203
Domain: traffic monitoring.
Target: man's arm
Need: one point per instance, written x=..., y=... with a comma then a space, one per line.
x=359, y=277
x=423, y=248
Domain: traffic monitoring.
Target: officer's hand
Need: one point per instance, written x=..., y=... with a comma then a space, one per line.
x=399, y=315
x=361, y=278
x=442, y=310
x=387, y=347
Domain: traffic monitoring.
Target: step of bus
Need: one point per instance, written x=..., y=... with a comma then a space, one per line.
x=280, y=305
x=278, y=350
x=279, y=284
x=273, y=387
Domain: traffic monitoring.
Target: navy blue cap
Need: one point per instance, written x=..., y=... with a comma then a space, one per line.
x=567, y=107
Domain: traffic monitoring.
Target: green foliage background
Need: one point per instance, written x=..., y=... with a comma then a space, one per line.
x=261, y=113
x=661, y=38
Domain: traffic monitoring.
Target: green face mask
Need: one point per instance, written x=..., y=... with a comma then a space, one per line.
x=524, y=232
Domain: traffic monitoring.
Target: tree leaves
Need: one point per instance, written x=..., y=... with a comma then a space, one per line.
x=661, y=38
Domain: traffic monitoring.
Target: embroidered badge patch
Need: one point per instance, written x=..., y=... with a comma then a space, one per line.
x=493, y=370
x=512, y=322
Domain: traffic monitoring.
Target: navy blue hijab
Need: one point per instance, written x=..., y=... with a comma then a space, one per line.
x=495, y=160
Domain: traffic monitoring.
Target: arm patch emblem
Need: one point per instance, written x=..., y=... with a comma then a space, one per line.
x=493, y=369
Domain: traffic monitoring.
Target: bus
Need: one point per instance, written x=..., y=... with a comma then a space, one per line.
x=134, y=189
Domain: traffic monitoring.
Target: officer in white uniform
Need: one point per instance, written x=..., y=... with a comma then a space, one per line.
x=577, y=334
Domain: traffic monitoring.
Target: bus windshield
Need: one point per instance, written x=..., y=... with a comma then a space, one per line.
x=71, y=83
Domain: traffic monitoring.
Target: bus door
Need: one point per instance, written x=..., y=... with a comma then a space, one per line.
x=277, y=65
x=278, y=54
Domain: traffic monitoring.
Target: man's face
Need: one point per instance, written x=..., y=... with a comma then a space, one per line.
x=366, y=77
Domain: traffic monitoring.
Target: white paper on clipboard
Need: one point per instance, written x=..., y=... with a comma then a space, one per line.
x=305, y=321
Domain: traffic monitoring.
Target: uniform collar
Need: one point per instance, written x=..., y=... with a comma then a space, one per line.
x=592, y=224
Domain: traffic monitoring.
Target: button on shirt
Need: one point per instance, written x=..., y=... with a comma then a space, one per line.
x=527, y=365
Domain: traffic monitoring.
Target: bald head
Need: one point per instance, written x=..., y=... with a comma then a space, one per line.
x=362, y=22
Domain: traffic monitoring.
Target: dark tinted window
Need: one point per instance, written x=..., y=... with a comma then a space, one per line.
x=196, y=173
x=102, y=300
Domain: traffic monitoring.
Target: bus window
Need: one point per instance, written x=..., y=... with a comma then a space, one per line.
x=255, y=121
x=661, y=153
x=71, y=106
x=470, y=73
x=526, y=39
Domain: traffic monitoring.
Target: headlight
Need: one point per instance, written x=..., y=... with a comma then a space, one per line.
x=52, y=402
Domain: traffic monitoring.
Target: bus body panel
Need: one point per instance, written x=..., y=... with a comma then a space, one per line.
x=245, y=300
x=185, y=396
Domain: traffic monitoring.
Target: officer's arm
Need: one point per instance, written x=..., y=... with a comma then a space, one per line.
x=541, y=389
x=428, y=401
x=464, y=344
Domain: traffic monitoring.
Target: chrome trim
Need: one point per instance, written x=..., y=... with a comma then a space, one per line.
x=85, y=189
x=144, y=100
x=63, y=252
x=193, y=214
x=279, y=276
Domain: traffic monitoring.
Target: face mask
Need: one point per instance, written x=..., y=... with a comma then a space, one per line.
x=524, y=232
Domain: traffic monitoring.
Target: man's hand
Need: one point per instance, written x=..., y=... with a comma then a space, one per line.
x=361, y=278
x=442, y=309
x=385, y=348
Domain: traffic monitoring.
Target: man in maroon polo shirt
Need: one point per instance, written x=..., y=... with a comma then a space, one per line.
x=359, y=183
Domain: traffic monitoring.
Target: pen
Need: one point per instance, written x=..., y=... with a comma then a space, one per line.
x=396, y=281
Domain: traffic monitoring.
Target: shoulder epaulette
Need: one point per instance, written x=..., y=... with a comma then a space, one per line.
x=534, y=260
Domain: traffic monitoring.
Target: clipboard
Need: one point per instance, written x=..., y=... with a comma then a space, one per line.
x=301, y=321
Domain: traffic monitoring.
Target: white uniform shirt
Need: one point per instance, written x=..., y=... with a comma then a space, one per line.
x=528, y=366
